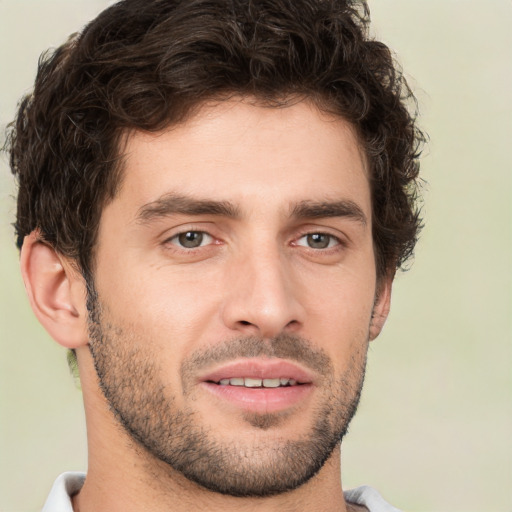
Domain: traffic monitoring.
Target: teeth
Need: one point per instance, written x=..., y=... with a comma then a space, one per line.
x=253, y=383
x=257, y=383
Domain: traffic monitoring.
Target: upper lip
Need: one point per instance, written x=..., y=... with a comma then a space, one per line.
x=258, y=368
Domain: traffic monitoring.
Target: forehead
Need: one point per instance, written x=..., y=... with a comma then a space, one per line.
x=243, y=152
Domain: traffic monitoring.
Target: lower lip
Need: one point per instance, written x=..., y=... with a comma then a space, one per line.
x=261, y=400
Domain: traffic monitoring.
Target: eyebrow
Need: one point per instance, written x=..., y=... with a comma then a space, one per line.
x=173, y=204
x=326, y=209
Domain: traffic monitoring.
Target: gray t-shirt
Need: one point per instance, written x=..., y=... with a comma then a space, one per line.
x=67, y=484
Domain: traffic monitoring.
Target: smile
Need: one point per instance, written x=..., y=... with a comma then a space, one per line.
x=260, y=385
x=258, y=373
x=249, y=382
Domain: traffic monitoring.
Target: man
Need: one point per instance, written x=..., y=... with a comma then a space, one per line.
x=214, y=197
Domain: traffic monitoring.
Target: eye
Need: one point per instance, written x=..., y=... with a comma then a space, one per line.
x=191, y=239
x=318, y=241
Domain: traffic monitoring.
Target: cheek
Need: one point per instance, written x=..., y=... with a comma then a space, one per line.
x=343, y=314
x=339, y=314
x=163, y=305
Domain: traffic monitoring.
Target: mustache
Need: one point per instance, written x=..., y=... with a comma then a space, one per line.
x=284, y=346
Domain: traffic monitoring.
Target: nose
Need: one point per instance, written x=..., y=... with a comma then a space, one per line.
x=261, y=296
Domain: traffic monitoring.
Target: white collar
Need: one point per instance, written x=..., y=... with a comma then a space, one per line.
x=59, y=499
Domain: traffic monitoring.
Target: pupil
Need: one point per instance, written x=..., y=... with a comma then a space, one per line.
x=191, y=239
x=318, y=241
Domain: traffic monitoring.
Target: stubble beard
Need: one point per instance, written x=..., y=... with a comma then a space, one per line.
x=130, y=381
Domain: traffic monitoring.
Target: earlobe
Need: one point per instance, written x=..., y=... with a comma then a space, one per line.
x=56, y=292
x=381, y=307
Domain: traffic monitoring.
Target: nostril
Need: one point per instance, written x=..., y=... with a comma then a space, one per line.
x=245, y=322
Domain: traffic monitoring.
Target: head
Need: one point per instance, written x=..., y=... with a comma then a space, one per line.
x=148, y=83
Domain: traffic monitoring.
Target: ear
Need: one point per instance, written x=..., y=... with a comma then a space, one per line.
x=381, y=306
x=56, y=292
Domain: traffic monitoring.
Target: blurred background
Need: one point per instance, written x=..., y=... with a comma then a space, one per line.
x=434, y=428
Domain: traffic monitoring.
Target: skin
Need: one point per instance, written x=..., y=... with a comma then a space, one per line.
x=254, y=276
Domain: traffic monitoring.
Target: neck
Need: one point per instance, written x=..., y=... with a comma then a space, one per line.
x=127, y=487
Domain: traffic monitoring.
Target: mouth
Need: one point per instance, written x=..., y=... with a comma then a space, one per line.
x=259, y=386
x=249, y=382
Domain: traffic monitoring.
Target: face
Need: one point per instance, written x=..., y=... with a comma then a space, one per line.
x=235, y=281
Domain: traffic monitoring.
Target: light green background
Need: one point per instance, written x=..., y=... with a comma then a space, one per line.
x=434, y=429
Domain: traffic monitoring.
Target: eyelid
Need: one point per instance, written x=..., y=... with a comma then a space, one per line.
x=322, y=229
x=178, y=229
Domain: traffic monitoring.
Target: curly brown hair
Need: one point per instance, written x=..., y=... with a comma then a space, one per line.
x=145, y=64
